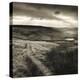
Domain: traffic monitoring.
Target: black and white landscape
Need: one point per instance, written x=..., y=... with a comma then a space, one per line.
x=43, y=40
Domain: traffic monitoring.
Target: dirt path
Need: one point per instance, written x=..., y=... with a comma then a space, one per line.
x=38, y=63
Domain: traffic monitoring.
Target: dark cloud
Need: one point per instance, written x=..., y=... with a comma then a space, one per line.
x=43, y=11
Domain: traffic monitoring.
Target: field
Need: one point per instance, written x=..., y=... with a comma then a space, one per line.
x=43, y=52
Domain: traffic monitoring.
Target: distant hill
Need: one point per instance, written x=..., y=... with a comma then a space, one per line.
x=28, y=32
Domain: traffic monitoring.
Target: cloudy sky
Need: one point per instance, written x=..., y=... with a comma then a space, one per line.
x=44, y=15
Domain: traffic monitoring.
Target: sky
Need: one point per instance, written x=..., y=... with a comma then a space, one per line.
x=58, y=16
